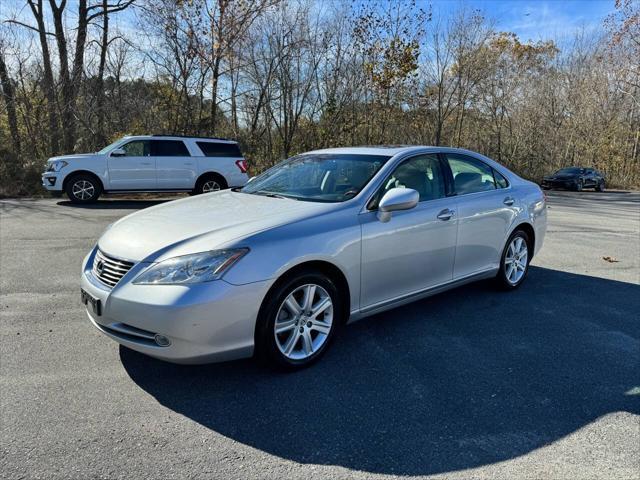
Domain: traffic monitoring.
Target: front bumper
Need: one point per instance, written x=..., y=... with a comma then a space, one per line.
x=207, y=322
x=52, y=181
x=568, y=184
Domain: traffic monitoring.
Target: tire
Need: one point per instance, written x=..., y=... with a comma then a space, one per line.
x=600, y=186
x=506, y=278
x=209, y=183
x=579, y=186
x=83, y=188
x=305, y=338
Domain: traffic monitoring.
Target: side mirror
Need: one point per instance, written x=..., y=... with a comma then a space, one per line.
x=118, y=152
x=397, y=199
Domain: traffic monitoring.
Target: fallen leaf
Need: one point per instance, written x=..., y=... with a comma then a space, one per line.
x=610, y=259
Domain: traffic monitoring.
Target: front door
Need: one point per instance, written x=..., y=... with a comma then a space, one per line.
x=135, y=170
x=415, y=249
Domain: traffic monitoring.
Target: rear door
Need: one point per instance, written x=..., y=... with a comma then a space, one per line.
x=176, y=169
x=136, y=170
x=486, y=209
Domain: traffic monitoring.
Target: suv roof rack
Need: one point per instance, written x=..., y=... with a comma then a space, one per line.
x=193, y=136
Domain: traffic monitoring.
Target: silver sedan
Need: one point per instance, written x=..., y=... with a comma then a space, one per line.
x=324, y=238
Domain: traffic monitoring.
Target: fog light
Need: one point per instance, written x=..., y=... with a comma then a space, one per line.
x=52, y=181
x=162, y=341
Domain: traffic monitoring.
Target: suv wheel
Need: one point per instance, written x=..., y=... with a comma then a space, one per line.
x=298, y=321
x=83, y=189
x=210, y=183
x=579, y=185
x=600, y=186
x=514, y=264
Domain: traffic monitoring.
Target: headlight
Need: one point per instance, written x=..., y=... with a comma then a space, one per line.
x=188, y=269
x=56, y=166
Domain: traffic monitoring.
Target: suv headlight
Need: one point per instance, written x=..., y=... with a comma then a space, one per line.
x=56, y=165
x=188, y=269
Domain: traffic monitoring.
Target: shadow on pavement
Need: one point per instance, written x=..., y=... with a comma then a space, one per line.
x=115, y=204
x=467, y=378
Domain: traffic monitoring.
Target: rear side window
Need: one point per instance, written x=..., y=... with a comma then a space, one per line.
x=470, y=175
x=501, y=182
x=169, y=148
x=213, y=149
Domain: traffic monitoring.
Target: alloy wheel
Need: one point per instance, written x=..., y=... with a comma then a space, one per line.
x=515, y=262
x=83, y=190
x=303, y=322
x=210, y=186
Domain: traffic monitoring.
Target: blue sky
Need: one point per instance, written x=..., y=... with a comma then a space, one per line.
x=536, y=20
x=530, y=19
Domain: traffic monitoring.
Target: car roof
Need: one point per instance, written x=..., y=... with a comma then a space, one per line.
x=390, y=150
x=181, y=137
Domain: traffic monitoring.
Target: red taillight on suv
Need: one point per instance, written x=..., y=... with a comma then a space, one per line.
x=242, y=165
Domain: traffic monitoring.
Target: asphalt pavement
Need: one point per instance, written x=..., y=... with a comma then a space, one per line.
x=473, y=383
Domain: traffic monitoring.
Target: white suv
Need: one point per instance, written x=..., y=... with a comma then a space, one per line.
x=148, y=163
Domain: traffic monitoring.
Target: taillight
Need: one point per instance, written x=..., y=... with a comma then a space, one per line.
x=242, y=165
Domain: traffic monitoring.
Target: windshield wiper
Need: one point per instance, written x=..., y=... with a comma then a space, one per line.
x=273, y=195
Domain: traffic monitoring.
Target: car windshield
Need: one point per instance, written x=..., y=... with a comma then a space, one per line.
x=570, y=170
x=329, y=177
x=110, y=147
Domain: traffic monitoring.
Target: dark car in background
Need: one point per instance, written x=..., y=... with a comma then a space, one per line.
x=575, y=178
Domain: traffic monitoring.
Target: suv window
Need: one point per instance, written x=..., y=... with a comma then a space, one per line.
x=423, y=173
x=169, y=148
x=136, y=148
x=214, y=149
x=470, y=175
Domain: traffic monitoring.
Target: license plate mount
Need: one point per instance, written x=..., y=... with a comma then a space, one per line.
x=90, y=301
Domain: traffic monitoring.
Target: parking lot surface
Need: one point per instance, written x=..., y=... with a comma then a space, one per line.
x=473, y=383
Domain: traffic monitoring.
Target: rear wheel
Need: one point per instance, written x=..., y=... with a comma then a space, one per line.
x=83, y=188
x=579, y=185
x=298, y=321
x=514, y=264
x=600, y=186
x=210, y=183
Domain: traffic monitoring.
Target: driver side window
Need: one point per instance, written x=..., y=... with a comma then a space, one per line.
x=137, y=148
x=422, y=173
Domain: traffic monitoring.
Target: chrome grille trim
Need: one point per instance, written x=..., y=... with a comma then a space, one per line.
x=112, y=269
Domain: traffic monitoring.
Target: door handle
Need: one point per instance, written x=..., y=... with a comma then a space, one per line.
x=446, y=214
x=145, y=163
x=508, y=201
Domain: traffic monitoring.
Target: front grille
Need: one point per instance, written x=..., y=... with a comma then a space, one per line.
x=109, y=270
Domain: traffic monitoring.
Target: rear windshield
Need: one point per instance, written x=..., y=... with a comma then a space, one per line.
x=213, y=149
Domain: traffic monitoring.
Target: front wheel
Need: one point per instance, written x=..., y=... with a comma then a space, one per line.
x=298, y=321
x=579, y=186
x=600, y=186
x=83, y=189
x=514, y=264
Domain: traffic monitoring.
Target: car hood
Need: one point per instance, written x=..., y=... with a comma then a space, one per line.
x=71, y=157
x=200, y=223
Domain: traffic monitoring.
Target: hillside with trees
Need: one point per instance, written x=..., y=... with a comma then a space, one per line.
x=283, y=77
